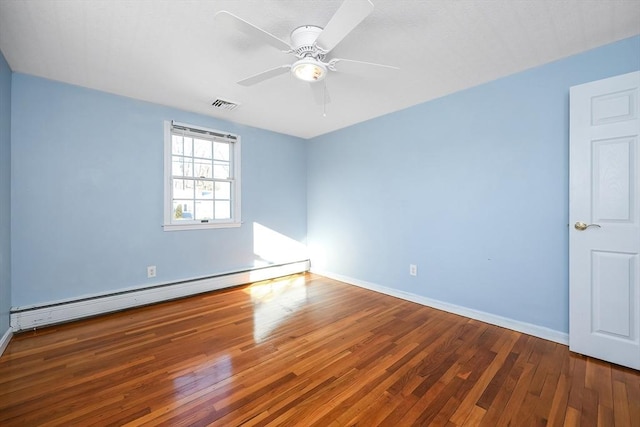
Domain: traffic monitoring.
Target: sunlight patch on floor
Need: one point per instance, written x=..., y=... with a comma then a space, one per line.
x=274, y=301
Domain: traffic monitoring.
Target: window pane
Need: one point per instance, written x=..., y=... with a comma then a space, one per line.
x=223, y=190
x=183, y=210
x=181, y=166
x=204, y=210
x=221, y=170
x=183, y=188
x=188, y=146
x=221, y=150
x=204, y=190
x=177, y=166
x=223, y=210
x=177, y=144
x=203, y=168
x=202, y=148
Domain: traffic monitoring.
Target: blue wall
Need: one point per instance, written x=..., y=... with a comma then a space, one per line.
x=5, y=194
x=472, y=187
x=87, y=201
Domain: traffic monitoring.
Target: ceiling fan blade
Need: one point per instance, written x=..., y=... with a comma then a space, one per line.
x=265, y=75
x=320, y=92
x=348, y=16
x=358, y=67
x=230, y=20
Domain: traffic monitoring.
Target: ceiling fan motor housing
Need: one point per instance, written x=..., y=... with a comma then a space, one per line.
x=303, y=41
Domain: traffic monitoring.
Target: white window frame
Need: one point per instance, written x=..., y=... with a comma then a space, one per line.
x=170, y=224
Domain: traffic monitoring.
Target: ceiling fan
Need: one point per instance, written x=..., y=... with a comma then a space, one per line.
x=311, y=46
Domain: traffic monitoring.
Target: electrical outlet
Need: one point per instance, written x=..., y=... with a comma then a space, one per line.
x=151, y=271
x=413, y=269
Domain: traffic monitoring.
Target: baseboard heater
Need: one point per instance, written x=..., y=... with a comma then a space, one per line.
x=37, y=316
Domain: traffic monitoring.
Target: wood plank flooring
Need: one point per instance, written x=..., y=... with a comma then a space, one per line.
x=309, y=351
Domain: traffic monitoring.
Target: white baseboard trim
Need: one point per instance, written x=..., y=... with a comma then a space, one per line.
x=25, y=318
x=504, y=322
x=4, y=341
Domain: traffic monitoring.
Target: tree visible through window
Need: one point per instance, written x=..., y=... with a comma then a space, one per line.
x=203, y=177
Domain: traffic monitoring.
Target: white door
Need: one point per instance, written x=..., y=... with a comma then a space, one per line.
x=604, y=215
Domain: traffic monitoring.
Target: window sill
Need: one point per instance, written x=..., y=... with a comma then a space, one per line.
x=196, y=226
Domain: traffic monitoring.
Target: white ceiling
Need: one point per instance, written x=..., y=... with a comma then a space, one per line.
x=171, y=52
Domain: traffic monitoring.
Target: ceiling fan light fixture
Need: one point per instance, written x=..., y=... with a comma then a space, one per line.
x=309, y=70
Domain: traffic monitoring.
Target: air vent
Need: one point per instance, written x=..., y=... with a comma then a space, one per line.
x=221, y=104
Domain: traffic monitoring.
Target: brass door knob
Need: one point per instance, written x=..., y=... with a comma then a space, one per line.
x=582, y=226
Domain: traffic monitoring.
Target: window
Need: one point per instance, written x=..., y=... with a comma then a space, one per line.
x=202, y=178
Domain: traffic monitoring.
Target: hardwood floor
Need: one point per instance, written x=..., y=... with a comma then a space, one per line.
x=303, y=350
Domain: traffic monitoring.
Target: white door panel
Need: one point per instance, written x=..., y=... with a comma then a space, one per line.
x=604, y=195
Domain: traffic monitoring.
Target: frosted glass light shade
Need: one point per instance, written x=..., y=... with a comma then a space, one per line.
x=309, y=70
